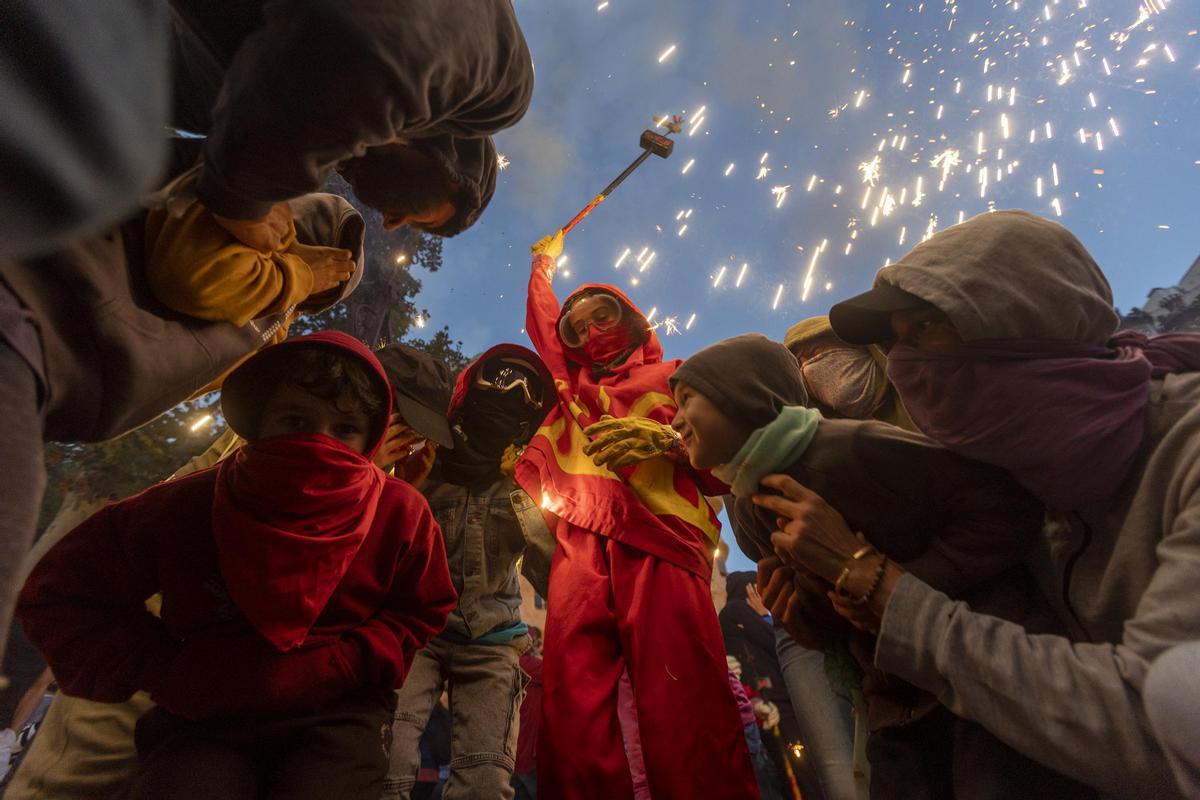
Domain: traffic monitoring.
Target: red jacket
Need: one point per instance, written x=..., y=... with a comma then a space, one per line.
x=84, y=608
x=657, y=506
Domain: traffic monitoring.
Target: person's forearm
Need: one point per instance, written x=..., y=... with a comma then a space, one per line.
x=1068, y=705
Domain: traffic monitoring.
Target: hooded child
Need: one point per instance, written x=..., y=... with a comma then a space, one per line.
x=963, y=526
x=297, y=581
x=162, y=306
x=1005, y=349
x=491, y=531
x=630, y=580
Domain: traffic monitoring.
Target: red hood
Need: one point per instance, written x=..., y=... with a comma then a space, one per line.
x=650, y=351
x=241, y=398
x=465, y=378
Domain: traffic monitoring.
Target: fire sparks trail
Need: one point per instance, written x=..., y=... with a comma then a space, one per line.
x=975, y=113
x=870, y=170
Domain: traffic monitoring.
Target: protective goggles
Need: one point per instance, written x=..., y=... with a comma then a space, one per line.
x=601, y=310
x=509, y=375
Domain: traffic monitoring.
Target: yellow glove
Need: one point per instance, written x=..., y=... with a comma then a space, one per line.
x=628, y=440
x=508, y=461
x=551, y=245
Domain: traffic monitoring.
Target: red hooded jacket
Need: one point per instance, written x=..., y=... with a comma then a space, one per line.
x=657, y=506
x=84, y=603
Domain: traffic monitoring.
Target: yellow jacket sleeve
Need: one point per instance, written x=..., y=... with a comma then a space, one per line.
x=196, y=268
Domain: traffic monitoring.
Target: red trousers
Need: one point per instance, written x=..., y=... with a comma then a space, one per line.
x=613, y=607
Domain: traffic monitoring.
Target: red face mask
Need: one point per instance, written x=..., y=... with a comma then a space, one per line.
x=289, y=514
x=605, y=346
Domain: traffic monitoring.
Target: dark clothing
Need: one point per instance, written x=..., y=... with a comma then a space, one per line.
x=83, y=607
x=84, y=88
x=751, y=640
x=371, y=72
x=944, y=757
x=336, y=751
x=22, y=477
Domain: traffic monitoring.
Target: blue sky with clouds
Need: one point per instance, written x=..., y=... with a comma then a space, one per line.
x=1100, y=94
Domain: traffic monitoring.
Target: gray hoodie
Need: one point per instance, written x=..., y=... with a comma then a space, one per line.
x=1124, y=574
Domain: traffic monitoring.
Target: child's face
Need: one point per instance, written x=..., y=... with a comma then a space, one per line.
x=711, y=438
x=293, y=410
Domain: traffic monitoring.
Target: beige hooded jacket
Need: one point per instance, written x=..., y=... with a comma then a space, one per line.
x=1123, y=574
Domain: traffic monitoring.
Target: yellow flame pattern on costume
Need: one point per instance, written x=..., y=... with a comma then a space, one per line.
x=652, y=481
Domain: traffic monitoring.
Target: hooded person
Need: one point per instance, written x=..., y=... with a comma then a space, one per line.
x=161, y=308
x=964, y=526
x=844, y=380
x=630, y=579
x=297, y=581
x=492, y=531
x=1006, y=351
x=387, y=80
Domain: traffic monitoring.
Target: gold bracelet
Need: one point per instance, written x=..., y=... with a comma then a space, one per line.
x=837, y=585
x=876, y=582
x=862, y=551
x=858, y=556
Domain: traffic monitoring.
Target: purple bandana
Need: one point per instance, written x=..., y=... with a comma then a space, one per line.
x=1065, y=418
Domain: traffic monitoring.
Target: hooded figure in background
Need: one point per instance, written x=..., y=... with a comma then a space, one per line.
x=491, y=530
x=630, y=579
x=844, y=380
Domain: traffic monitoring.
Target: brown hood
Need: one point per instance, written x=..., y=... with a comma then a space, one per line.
x=1010, y=275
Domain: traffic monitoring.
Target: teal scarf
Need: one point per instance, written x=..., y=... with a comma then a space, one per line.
x=770, y=449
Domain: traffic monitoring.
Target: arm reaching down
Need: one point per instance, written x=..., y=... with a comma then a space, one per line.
x=83, y=607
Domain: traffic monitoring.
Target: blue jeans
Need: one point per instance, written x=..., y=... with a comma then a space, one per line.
x=824, y=718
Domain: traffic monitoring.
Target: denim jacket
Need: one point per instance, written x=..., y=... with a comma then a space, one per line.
x=487, y=529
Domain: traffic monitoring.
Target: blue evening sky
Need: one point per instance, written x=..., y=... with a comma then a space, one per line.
x=821, y=88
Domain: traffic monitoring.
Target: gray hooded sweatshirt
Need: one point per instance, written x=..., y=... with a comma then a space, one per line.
x=1123, y=574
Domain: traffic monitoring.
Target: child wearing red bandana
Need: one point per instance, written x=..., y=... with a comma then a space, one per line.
x=297, y=580
x=629, y=582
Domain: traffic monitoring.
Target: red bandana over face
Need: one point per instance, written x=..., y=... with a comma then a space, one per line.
x=289, y=515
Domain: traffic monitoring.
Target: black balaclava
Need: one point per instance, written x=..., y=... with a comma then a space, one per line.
x=488, y=422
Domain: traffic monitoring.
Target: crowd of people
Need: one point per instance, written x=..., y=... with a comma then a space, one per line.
x=973, y=503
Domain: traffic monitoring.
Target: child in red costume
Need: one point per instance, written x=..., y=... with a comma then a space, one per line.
x=629, y=583
x=297, y=580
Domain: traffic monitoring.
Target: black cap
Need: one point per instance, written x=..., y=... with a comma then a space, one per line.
x=867, y=318
x=422, y=386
